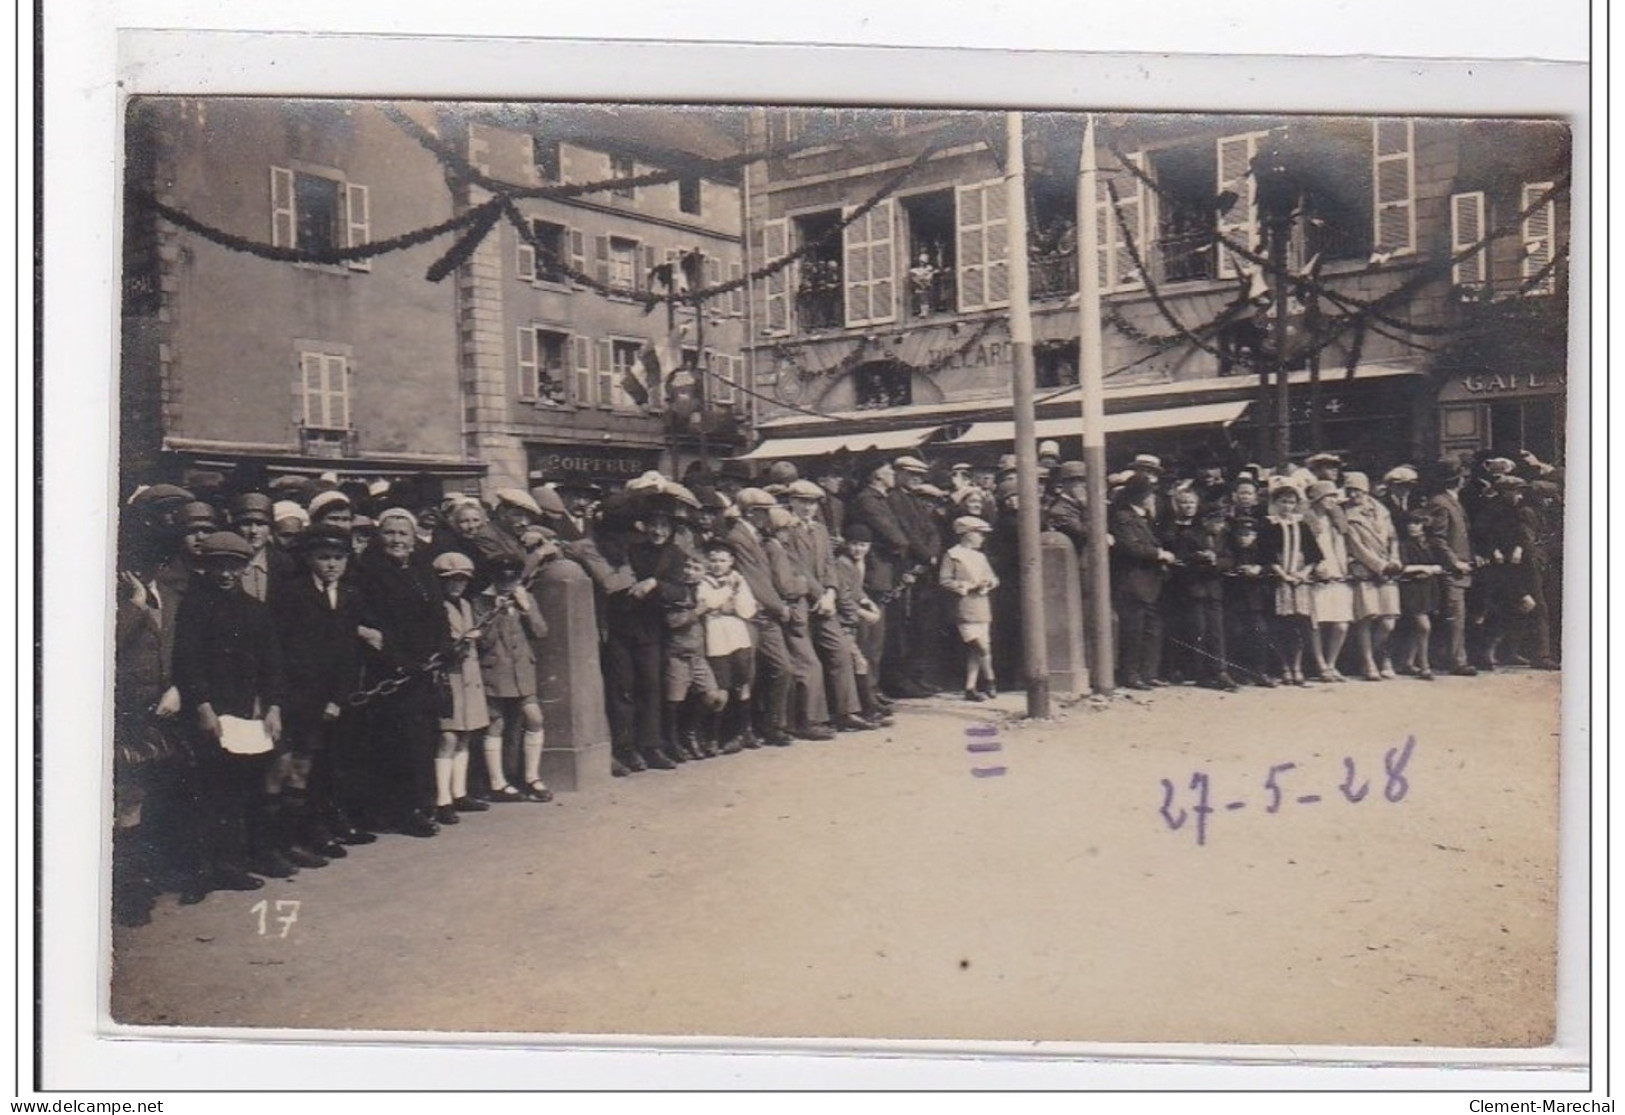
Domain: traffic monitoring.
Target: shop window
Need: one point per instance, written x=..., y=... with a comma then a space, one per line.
x=818, y=274
x=319, y=213
x=880, y=386
x=932, y=257
x=688, y=195
x=1055, y=363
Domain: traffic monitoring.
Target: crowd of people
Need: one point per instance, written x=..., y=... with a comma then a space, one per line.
x=303, y=663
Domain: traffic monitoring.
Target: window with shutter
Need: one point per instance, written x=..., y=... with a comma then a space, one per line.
x=578, y=251
x=1466, y=232
x=996, y=243
x=600, y=246
x=972, y=262
x=1115, y=260
x=624, y=260
x=1539, y=238
x=604, y=371
x=1393, y=186
x=1239, y=222
x=867, y=247
x=358, y=222
x=525, y=260
x=325, y=378
x=651, y=259
x=775, y=238
x=284, y=228
x=581, y=353
x=724, y=375
x=736, y=296
x=528, y=362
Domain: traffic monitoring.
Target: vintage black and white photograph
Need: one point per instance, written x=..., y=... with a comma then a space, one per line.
x=861, y=572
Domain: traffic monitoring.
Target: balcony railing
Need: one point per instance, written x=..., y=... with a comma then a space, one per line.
x=819, y=308
x=1054, y=275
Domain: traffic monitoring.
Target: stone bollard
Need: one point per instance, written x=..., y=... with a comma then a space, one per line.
x=571, y=682
x=1063, y=614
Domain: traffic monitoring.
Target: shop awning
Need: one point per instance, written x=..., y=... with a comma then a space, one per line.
x=788, y=447
x=1205, y=414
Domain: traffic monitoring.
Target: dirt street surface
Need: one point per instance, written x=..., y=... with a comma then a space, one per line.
x=894, y=884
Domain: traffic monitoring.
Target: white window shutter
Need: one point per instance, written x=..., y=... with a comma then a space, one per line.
x=971, y=253
x=357, y=222
x=1240, y=221
x=529, y=365
x=600, y=247
x=736, y=296
x=1539, y=237
x=1393, y=186
x=1131, y=206
x=775, y=245
x=525, y=261
x=284, y=227
x=605, y=394
x=310, y=386
x=581, y=353
x=996, y=242
x=882, y=264
x=578, y=251
x=724, y=374
x=855, y=268
x=341, y=372
x=651, y=259
x=1466, y=231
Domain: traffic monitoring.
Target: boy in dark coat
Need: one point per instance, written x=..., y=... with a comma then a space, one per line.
x=228, y=666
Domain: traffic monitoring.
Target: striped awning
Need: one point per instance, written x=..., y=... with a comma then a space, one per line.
x=790, y=447
x=1204, y=414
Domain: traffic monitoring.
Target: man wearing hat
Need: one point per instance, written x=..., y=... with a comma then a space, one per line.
x=512, y=510
x=771, y=698
x=1452, y=546
x=914, y=624
x=1398, y=492
x=1139, y=568
x=270, y=567
x=1325, y=466
x=887, y=562
x=331, y=506
x=809, y=545
x=229, y=670
x=780, y=475
x=809, y=703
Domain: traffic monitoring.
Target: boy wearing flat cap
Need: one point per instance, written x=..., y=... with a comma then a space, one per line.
x=229, y=670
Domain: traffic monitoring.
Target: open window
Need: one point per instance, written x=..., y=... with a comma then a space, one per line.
x=931, y=253
x=319, y=213
x=1186, y=217
x=688, y=194
x=622, y=166
x=543, y=258
x=548, y=159
x=544, y=356
x=818, y=294
x=1333, y=158
x=1052, y=236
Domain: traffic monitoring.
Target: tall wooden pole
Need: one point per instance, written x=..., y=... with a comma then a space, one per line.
x=1024, y=388
x=1091, y=388
x=702, y=366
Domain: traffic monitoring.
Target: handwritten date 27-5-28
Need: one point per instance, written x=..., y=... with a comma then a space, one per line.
x=1284, y=785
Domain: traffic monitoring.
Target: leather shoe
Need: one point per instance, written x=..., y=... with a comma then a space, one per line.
x=419, y=824
x=778, y=739
x=273, y=865
x=232, y=878
x=470, y=805
x=304, y=857
x=617, y=769
x=538, y=791
x=815, y=732
x=853, y=724
x=333, y=850
x=658, y=760
x=1465, y=671
x=1136, y=684
x=356, y=836
x=447, y=815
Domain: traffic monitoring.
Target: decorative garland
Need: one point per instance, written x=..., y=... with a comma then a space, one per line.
x=147, y=200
